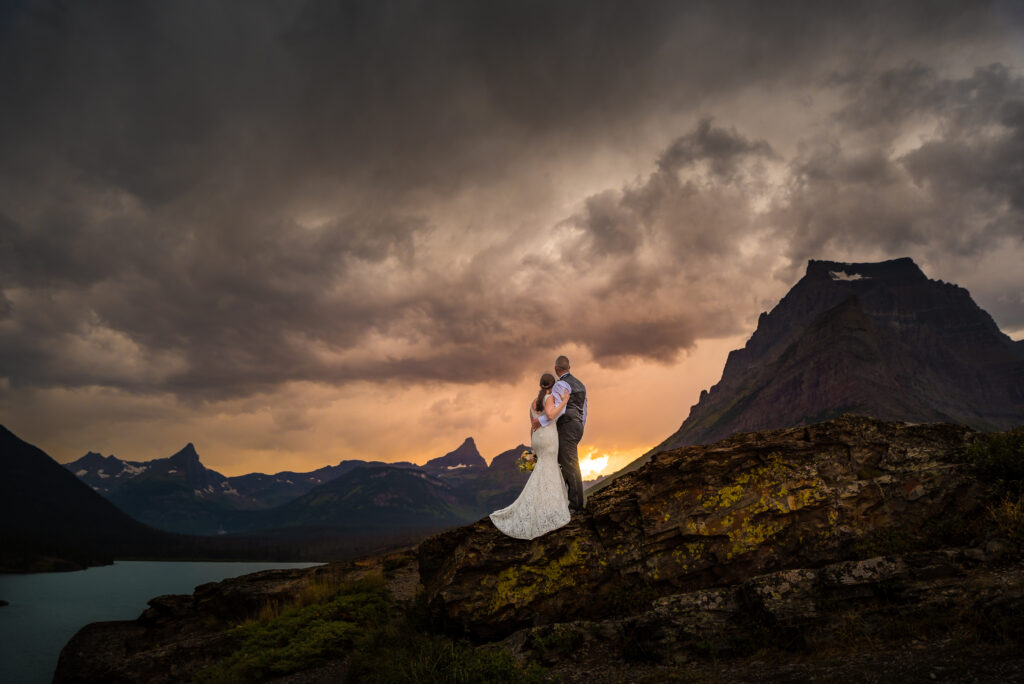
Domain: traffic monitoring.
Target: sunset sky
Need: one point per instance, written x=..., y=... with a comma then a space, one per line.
x=299, y=232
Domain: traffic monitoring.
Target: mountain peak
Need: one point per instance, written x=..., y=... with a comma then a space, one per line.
x=187, y=454
x=466, y=456
x=508, y=460
x=894, y=270
x=878, y=339
x=93, y=459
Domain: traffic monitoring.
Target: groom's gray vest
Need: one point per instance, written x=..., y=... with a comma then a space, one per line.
x=574, y=407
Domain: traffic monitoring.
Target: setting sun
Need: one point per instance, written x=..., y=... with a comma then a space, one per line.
x=596, y=461
x=591, y=465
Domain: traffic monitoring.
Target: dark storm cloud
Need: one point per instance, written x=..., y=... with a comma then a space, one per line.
x=213, y=200
x=723, y=150
x=667, y=248
x=957, y=191
x=167, y=99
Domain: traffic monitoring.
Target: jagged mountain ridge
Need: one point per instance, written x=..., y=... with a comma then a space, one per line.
x=52, y=520
x=179, y=494
x=374, y=497
x=107, y=474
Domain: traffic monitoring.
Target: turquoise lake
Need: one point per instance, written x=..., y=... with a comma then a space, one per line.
x=46, y=609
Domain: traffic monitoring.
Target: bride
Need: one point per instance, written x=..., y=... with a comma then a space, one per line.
x=543, y=505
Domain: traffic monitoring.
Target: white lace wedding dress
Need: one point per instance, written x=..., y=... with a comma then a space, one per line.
x=543, y=505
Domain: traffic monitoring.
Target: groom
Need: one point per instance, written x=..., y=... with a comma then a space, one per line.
x=570, y=430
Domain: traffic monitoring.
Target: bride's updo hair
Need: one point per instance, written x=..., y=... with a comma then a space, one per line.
x=547, y=381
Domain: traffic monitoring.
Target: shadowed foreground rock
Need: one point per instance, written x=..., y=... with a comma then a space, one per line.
x=948, y=614
x=180, y=634
x=705, y=516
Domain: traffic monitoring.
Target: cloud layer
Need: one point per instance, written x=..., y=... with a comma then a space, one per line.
x=209, y=202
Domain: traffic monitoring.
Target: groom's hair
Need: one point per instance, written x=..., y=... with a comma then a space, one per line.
x=562, y=363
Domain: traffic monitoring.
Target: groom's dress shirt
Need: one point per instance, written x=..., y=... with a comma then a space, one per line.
x=560, y=389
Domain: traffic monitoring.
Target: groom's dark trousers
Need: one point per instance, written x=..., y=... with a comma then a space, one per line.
x=570, y=432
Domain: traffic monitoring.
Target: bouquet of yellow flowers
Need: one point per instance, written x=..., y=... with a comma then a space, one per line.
x=527, y=460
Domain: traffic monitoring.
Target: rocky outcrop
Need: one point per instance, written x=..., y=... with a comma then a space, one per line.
x=911, y=601
x=705, y=516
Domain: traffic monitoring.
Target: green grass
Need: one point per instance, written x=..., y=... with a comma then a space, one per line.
x=998, y=461
x=357, y=620
x=300, y=636
x=400, y=653
x=1007, y=517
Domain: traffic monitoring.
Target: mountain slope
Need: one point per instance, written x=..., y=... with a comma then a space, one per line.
x=179, y=494
x=384, y=498
x=879, y=339
x=47, y=511
x=176, y=494
x=876, y=339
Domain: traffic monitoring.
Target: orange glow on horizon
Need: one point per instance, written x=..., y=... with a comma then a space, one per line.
x=595, y=461
x=593, y=465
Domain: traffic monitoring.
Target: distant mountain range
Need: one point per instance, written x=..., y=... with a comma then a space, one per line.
x=53, y=520
x=875, y=339
x=179, y=494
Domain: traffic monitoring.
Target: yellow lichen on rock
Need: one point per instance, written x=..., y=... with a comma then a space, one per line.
x=518, y=584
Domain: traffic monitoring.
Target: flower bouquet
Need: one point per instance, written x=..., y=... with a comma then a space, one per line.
x=527, y=460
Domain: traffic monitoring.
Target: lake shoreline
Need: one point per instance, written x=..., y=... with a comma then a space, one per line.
x=54, y=564
x=46, y=609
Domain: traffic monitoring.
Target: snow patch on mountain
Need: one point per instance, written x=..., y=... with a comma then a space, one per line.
x=843, y=275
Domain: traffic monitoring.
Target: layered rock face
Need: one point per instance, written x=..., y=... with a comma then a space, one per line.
x=947, y=615
x=877, y=339
x=705, y=516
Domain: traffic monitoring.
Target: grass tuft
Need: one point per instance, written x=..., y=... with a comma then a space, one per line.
x=332, y=619
x=398, y=653
x=298, y=636
x=998, y=461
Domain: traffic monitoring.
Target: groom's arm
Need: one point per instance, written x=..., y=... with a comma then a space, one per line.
x=561, y=395
x=557, y=405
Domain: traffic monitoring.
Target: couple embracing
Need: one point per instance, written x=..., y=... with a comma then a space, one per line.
x=554, y=491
